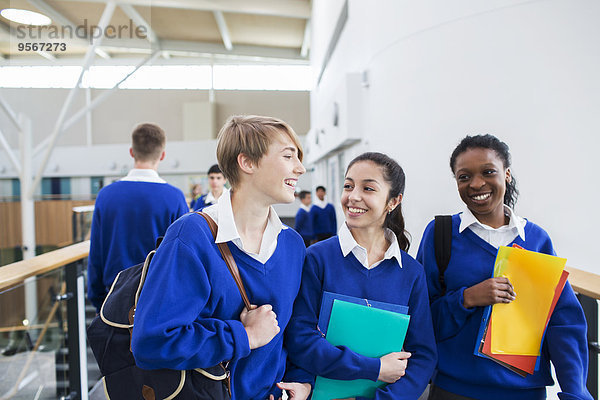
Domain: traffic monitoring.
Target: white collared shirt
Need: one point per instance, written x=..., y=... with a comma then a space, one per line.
x=305, y=207
x=222, y=213
x=320, y=203
x=143, y=175
x=210, y=198
x=348, y=244
x=497, y=237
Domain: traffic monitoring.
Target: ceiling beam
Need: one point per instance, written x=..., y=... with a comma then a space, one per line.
x=60, y=19
x=276, y=8
x=46, y=55
x=305, y=40
x=223, y=29
x=138, y=20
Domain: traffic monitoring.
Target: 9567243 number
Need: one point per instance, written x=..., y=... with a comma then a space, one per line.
x=42, y=46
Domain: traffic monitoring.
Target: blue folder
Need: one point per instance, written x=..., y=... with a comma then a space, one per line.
x=327, y=304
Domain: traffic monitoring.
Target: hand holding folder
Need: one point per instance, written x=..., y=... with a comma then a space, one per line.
x=369, y=331
x=512, y=334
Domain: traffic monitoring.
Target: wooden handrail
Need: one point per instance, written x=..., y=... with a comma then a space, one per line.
x=583, y=282
x=15, y=273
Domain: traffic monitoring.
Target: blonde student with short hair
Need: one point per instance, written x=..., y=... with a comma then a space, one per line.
x=190, y=313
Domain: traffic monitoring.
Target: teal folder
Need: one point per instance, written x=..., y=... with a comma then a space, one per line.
x=365, y=330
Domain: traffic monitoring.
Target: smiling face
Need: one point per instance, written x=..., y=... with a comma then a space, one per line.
x=481, y=179
x=365, y=197
x=278, y=170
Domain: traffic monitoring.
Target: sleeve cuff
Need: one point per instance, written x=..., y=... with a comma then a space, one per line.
x=241, y=346
x=461, y=299
x=372, y=366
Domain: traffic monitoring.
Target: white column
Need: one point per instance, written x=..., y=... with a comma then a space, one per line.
x=27, y=213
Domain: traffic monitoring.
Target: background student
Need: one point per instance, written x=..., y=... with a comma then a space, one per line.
x=195, y=195
x=130, y=214
x=323, y=216
x=481, y=167
x=216, y=181
x=190, y=313
x=303, y=222
x=366, y=259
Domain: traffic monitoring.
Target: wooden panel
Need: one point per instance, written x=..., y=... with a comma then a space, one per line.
x=53, y=222
x=10, y=224
x=583, y=282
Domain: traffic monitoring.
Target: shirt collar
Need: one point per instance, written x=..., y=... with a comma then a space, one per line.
x=320, y=203
x=348, y=244
x=143, y=175
x=304, y=207
x=515, y=222
x=226, y=223
x=210, y=199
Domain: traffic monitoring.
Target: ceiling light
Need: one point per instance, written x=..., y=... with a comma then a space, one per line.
x=25, y=17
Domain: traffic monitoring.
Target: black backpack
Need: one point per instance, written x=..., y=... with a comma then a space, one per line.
x=109, y=336
x=442, y=243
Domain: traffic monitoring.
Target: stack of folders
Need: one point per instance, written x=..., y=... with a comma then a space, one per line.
x=370, y=328
x=512, y=334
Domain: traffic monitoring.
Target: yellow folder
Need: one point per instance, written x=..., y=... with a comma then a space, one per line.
x=518, y=327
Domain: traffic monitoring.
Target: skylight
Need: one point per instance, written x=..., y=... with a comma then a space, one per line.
x=25, y=17
x=225, y=77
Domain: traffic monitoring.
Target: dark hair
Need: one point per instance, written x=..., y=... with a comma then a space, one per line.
x=303, y=194
x=394, y=176
x=148, y=142
x=322, y=188
x=214, y=170
x=493, y=143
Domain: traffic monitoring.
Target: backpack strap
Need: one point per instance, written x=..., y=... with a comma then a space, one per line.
x=228, y=257
x=442, y=242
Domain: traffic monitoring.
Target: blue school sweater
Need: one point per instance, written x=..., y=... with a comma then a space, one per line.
x=188, y=313
x=304, y=224
x=128, y=218
x=324, y=221
x=200, y=203
x=326, y=269
x=456, y=328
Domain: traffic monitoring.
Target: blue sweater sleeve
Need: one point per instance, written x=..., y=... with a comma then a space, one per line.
x=447, y=311
x=308, y=348
x=420, y=342
x=173, y=324
x=566, y=340
x=96, y=290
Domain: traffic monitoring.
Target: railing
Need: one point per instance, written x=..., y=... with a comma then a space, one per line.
x=64, y=268
x=587, y=285
x=54, y=334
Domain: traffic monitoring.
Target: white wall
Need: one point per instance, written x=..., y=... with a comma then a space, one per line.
x=525, y=71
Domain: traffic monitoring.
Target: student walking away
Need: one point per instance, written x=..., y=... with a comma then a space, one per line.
x=486, y=185
x=132, y=213
x=304, y=223
x=323, y=216
x=216, y=181
x=367, y=259
x=190, y=313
